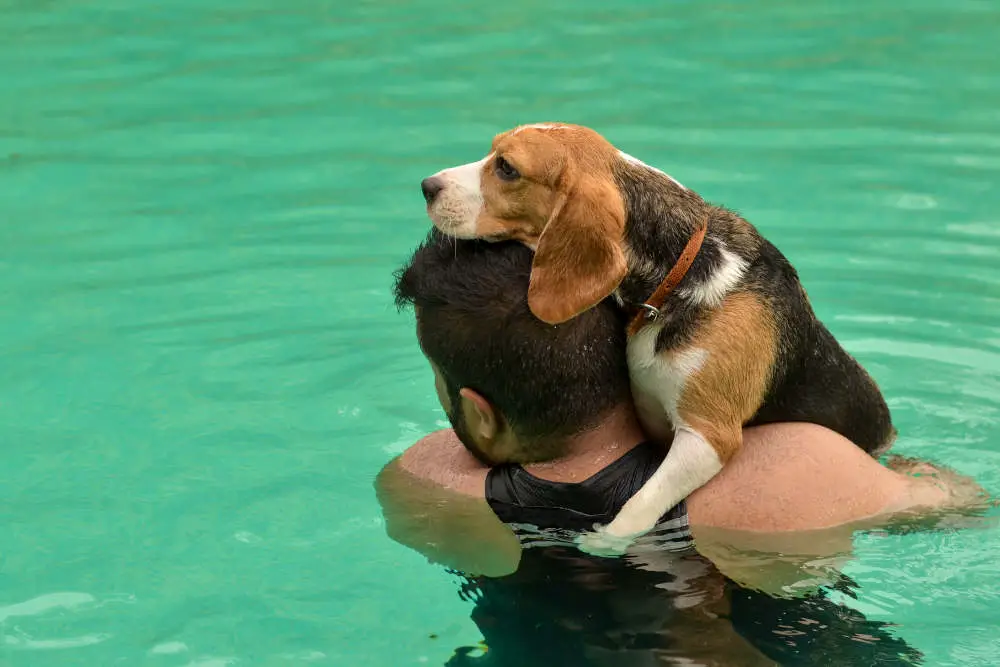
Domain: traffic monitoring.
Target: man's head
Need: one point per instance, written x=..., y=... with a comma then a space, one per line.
x=514, y=388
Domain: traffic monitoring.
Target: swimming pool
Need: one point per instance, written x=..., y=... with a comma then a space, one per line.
x=201, y=205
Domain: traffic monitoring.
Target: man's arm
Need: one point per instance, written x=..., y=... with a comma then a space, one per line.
x=797, y=476
x=793, y=477
x=434, y=501
x=798, y=492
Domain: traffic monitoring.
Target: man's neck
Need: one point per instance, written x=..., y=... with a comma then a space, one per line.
x=592, y=451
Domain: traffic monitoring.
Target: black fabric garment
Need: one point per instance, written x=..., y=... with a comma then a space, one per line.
x=518, y=497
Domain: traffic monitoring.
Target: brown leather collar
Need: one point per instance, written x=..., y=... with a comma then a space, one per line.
x=650, y=310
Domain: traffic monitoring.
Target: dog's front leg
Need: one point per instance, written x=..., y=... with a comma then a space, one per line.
x=699, y=451
x=695, y=457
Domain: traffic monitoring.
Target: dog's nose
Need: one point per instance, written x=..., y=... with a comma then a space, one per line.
x=431, y=187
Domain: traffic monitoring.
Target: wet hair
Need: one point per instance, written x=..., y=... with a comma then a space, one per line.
x=473, y=321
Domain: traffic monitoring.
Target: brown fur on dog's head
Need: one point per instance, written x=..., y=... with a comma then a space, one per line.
x=551, y=187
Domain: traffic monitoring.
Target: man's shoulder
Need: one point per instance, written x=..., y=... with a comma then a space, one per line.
x=441, y=458
x=433, y=500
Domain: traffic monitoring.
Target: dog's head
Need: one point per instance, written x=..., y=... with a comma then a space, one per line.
x=552, y=187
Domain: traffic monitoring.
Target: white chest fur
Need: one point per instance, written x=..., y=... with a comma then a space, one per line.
x=658, y=380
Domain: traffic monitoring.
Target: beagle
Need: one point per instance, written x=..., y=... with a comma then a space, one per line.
x=723, y=334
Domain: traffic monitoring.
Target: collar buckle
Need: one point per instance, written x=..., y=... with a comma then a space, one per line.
x=652, y=313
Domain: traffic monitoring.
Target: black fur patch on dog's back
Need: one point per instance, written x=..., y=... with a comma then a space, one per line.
x=815, y=379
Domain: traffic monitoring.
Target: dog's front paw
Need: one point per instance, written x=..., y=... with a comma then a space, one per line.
x=601, y=542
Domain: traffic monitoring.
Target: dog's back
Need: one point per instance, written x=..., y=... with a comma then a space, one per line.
x=814, y=378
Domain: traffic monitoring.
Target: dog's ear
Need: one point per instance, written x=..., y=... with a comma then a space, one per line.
x=579, y=260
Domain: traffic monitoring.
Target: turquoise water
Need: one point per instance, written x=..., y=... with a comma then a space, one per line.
x=200, y=208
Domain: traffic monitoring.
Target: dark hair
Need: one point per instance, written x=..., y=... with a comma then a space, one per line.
x=549, y=382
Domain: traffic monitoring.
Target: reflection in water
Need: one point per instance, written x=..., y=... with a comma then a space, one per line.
x=563, y=607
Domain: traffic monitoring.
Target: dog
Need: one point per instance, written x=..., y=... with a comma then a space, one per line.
x=722, y=333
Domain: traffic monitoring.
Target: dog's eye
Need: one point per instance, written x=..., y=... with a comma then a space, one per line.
x=505, y=170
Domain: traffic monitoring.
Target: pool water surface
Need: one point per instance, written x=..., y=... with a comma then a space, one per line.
x=201, y=206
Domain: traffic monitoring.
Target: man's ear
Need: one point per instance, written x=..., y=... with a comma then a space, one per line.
x=579, y=260
x=480, y=417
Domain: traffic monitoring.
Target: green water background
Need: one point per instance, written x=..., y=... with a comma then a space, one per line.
x=201, y=204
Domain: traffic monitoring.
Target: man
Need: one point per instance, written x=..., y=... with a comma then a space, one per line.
x=545, y=442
